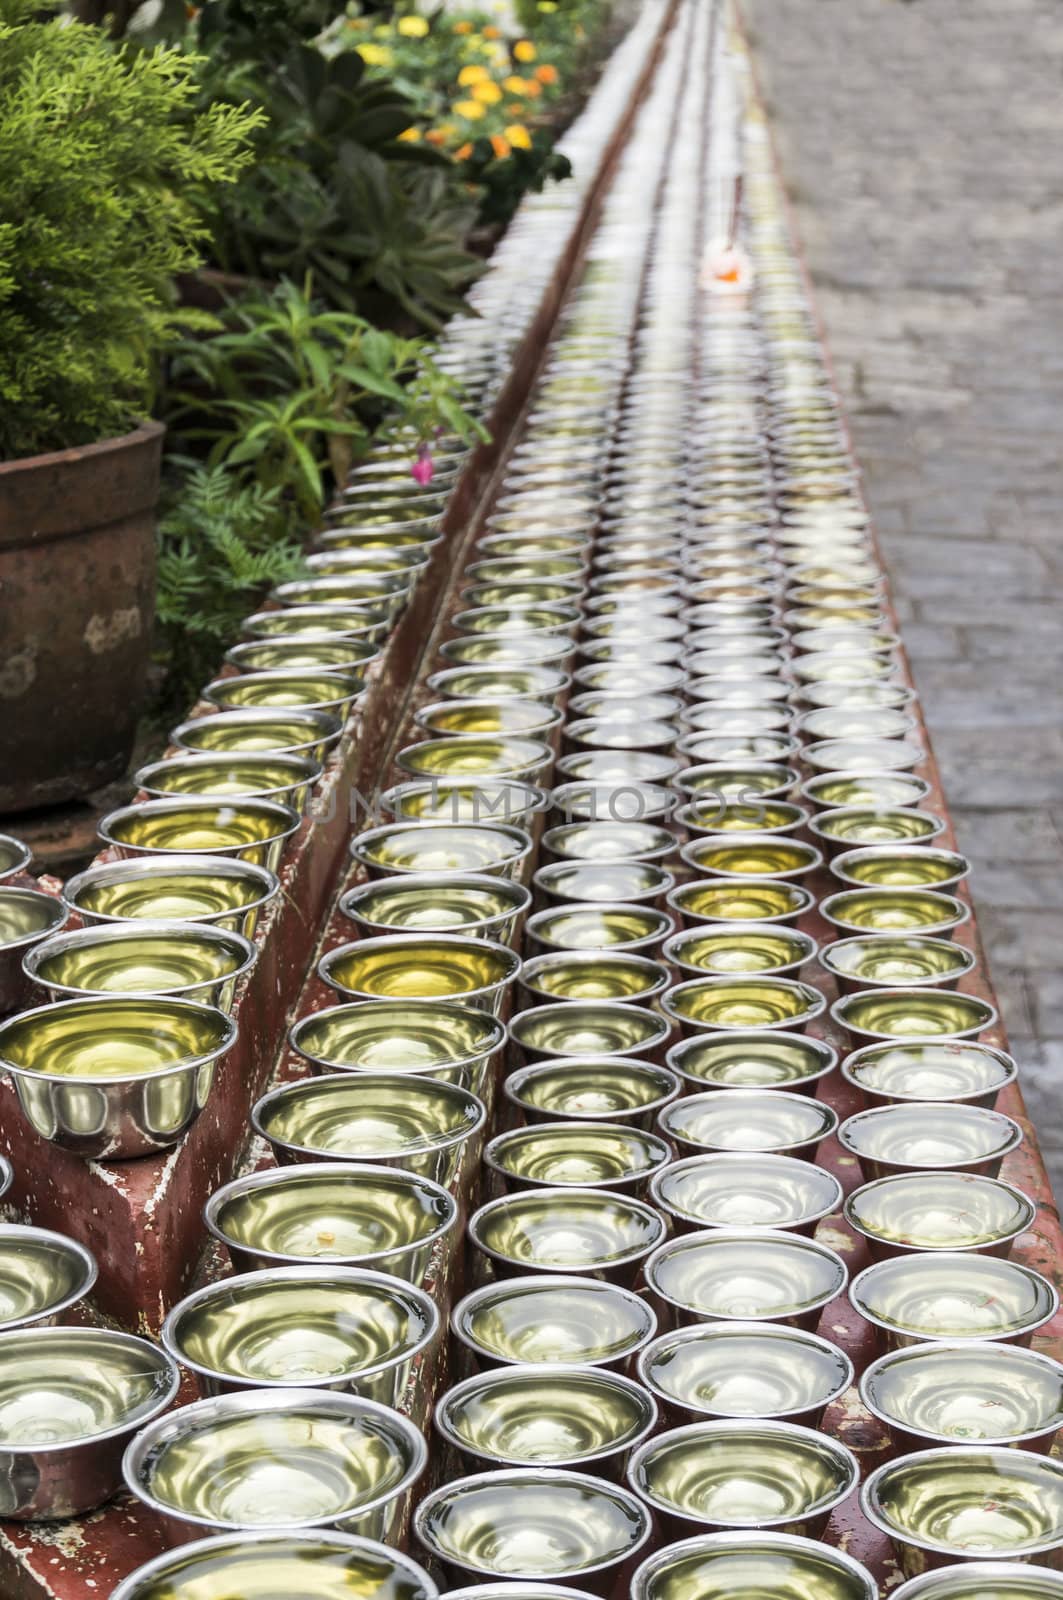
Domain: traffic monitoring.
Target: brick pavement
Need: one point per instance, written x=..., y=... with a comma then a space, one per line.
x=921, y=141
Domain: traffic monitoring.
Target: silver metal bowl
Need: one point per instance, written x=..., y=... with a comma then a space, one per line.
x=114, y=1076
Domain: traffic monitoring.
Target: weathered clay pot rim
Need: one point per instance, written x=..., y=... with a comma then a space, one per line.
x=80, y=452
x=119, y=501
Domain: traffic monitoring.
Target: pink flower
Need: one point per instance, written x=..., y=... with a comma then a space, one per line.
x=423, y=469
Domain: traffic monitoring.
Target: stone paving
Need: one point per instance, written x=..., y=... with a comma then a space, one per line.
x=921, y=143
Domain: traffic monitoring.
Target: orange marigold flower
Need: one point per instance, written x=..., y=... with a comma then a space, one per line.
x=546, y=73
x=463, y=27
x=435, y=136
x=491, y=32
x=463, y=152
x=524, y=50
x=531, y=88
x=500, y=146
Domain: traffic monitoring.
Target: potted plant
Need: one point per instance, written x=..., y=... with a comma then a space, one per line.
x=105, y=166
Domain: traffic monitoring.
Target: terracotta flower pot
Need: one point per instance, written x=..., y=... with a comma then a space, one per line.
x=77, y=600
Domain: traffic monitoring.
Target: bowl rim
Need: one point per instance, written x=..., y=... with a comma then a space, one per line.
x=655, y=973
x=641, y=1014
x=858, y=1058
x=950, y=1349
x=551, y=718
x=368, y=563
x=662, y=800
x=225, y=1026
x=686, y=816
x=840, y=1008
x=956, y=912
x=861, y=775
x=802, y=895
x=998, y=1573
x=726, y=1158
x=516, y=1079
x=531, y=756
x=425, y=531
x=143, y=1416
x=440, y=682
x=518, y=837
x=342, y=680
x=664, y=1342
x=136, y=868
x=633, y=769
x=965, y=963
x=297, y=1275
x=503, y=954
x=870, y=1501
x=287, y=821
x=391, y=588
x=491, y=1590
x=1012, y=1130
x=21, y=853
x=305, y=770
x=543, y=1283
x=335, y=1172
x=715, y=841
x=1028, y=1207
x=880, y=852
x=560, y=618
x=664, y=846
x=819, y=754
x=518, y=1477
x=304, y=1024
x=133, y=1586
x=511, y=564
x=546, y=1374
x=933, y=1262
x=819, y=1049
x=816, y=1005
x=815, y=824
x=27, y=1232
x=673, y=944
x=474, y=1225
x=710, y=1543
x=538, y=801
x=304, y=1088
x=556, y=647
x=352, y=898
x=373, y=622
x=321, y=728
x=791, y=1433
x=165, y=1430
x=779, y=1097
x=717, y=1236
x=540, y=1130
x=55, y=905
x=152, y=930
x=537, y=919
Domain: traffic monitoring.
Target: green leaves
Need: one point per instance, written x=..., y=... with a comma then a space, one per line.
x=105, y=167
x=222, y=542
x=289, y=390
x=380, y=222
